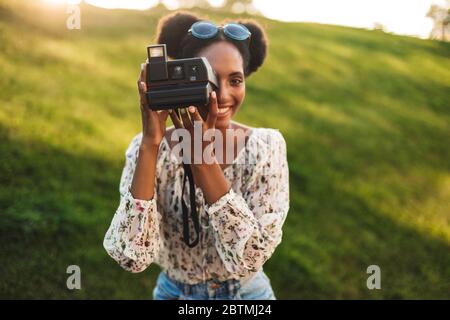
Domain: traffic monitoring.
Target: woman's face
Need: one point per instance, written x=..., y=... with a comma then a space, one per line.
x=227, y=62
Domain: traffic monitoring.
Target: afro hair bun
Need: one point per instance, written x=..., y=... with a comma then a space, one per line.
x=258, y=44
x=172, y=29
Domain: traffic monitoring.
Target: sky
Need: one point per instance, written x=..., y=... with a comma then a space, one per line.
x=406, y=17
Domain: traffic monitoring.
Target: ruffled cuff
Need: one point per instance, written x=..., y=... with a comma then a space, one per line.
x=133, y=237
x=140, y=202
x=220, y=203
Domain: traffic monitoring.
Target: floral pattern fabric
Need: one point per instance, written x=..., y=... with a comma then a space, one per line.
x=239, y=232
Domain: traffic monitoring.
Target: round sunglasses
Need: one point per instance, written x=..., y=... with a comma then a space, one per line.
x=207, y=30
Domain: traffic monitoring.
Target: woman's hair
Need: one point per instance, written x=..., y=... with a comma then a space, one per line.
x=173, y=31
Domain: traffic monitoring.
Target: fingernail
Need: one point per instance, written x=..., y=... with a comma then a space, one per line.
x=191, y=109
x=213, y=94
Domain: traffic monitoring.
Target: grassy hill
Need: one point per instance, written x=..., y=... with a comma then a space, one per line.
x=365, y=115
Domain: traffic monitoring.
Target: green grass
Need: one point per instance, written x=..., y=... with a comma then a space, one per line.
x=367, y=123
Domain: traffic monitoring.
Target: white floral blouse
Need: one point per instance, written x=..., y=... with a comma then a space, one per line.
x=239, y=232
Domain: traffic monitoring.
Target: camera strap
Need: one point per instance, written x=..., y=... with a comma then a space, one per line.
x=193, y=206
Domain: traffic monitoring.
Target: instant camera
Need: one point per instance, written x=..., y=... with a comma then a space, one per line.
x=178, y=83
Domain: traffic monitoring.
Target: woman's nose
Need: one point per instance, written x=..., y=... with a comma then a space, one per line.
x=223, y=95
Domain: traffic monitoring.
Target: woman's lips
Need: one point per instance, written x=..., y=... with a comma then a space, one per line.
x=224, y=111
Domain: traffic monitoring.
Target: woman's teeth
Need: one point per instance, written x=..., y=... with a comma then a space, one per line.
x=223, y=110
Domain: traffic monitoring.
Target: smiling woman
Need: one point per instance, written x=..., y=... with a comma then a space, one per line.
x=241, y=206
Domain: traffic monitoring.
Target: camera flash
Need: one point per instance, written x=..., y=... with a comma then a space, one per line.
x=157, y=64
x=156, y=52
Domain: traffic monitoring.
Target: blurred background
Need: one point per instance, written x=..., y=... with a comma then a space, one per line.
x=359, y=89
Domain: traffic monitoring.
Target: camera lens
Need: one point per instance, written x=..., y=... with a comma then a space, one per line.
x=177, y=72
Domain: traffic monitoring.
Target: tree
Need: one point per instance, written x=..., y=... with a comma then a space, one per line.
x=241, y=6
x=379, y=27
x=441, y=21
x=445, y=24
x=188, y=4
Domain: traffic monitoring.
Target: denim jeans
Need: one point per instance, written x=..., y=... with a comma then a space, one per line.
x=257, y=288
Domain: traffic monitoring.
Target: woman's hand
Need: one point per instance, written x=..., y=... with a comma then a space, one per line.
x=208, y=176
x=153, y=122
x=188, y=115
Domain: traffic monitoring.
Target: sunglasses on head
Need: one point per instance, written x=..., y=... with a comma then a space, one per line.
x=208, y=30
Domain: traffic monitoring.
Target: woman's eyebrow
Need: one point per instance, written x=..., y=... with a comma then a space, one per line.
x=235, y=73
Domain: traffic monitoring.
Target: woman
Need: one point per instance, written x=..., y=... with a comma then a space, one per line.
x=241, y=205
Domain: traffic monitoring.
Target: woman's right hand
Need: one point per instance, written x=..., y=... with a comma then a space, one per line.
x=153, y=122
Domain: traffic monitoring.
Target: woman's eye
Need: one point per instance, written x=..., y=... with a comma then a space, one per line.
x=236, y=81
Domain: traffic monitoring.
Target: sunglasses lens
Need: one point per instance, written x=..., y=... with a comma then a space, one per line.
x=236, y=31
x=204, y=30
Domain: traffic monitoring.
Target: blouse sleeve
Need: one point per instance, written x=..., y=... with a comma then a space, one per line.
x=248, y=228
x=133, y=237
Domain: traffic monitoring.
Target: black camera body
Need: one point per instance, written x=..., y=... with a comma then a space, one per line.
x=178, y=83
